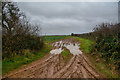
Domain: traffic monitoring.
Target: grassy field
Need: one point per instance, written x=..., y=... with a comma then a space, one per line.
x=53, y=38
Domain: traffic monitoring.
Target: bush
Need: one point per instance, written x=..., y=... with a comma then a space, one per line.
x=17, y=33
x=109, y=43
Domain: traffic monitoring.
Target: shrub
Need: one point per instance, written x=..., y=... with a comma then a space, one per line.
x=18, y=33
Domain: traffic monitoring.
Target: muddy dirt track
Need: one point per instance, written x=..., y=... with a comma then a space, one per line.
x=54, y=66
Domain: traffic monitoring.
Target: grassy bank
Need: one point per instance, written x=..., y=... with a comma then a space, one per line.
x=85, y=45
x=95, y=59
x=16, y=62
x=101, y=66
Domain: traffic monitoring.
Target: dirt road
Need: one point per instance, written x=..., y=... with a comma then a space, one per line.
x=54, y=65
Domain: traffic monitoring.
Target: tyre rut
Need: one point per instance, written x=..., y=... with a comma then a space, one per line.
x=54, y=66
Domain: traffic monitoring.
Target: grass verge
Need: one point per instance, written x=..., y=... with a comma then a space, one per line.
x=85, y=45
x=15, y=62
x=0, y=68
x=100, y=66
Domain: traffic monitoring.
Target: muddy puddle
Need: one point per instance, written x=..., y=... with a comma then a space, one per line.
x=59, y=46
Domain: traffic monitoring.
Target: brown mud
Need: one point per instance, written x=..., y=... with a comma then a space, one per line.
x=54, y=66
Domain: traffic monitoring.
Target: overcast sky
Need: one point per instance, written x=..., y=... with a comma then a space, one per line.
x=69, y=17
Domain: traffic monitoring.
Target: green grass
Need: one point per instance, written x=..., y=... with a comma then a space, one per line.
x=0, y=68
x=53, y=38
x=14, y=63
x=85, y=45
x=102, y=67
x=66, y=54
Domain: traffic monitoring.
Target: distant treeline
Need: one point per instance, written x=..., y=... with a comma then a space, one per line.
x=18, y=34
x=107, y=42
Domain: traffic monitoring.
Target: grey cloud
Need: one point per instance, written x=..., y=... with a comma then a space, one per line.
x=66, y=17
